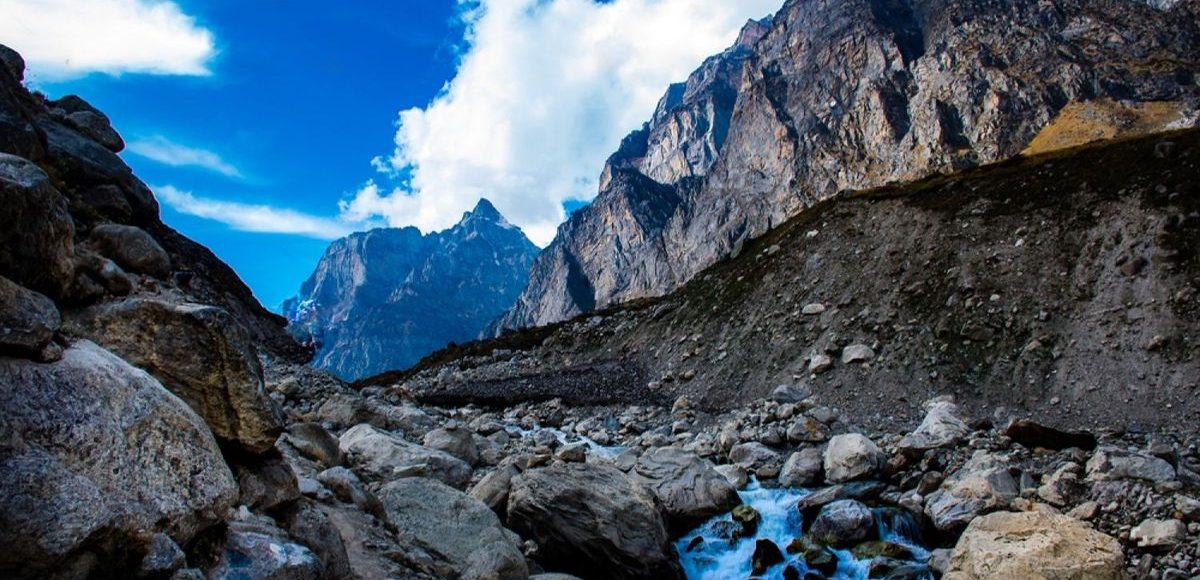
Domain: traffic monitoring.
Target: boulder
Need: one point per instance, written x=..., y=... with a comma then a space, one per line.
x=1158, y=533
x=802, y=468
x=735, y=474
x=384, y=456
x=37, y=235
x=592, y=521
x=752, y=455
x=201, y=353
x=347, y=487
x=308, y=524
x=315, y=442
x=790, y=393
x=807, y=429
x=857, y=353
x=1036, y=546
x=93, y=453
x=28, y=320
x=852, y=456
x=455, y=441
x=985, y=483
x=456, y=529
x=131, y=248
x=1111, y=463
x=942, y=427
x=257, y=549
x=843, y=523
x=12, y=62
x=1034, y=435
x=493, y=488
x=96, y=126
x=689, y=487
x=266, y=481
x=163, y=556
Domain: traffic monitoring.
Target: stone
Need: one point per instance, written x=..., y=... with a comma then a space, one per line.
x=689, y=487
x=572, y=452
x=790, y=393
x=802, y=468
x=852, y=456
x=13, y=63
x=383, y=456
x=308, y=524
x=28, y=320
x=456, y=441
x=262, y=551
x=766, y=554
x=985, y=483
x=747, y=519
x=315, y=442
x=1110, y=463
x=942, y=427
x=131, y=248
x=92, y=441
x=753, y=454
x=806, y=429
x=819, y=363
x=163, y=556
x=492, y=489
x=97, y=126
x=1033, y=436
x=266, y=481
x=199, y=352
x=843, y=523
x=1154, y=533
x=1037, y=546
x=1188, y=506
x=857, y=353
x=1063, y=486
x=37, y=234
x=456, y=529
x=591, y=520
x=347, y=487
x=813, y=309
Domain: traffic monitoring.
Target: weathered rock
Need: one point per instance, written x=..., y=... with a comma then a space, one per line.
x=455, y=441
x=1033, y=435
x=97, y=126
x=852, y=456
x=347, y=487
x=315, y=443
x=735, y=474
x=790, y=393
x=456, y=529
x=807, y=429
x=1034, y=545
x=383, y=456
x=689, y=487
x=493, y=488
x=747, y=519
x=28, y=320
x=857, y=353
x=843, y=523
x=942, y=427
x=163, y=556
x=266, y=481
x=984, y=484
x=262, y=551
x=1158, y=533
x=92, y=442
x=199, y=352
x=752, y=455
x=1063, y=486
x=1110, y=463
x=131, y=248
x=37, y=235
x=802, y=468
x=350, y=409
x=13, y=63
x=766, y=554
x=307, y=524
x=591, y=520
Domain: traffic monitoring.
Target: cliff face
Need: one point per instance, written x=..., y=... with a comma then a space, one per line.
x=382, y=299
x=835, y=96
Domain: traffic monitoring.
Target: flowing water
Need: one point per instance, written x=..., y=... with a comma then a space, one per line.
x=565, y=438
x=714, y=557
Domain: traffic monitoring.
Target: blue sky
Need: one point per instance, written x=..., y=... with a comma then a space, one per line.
x=269, y=127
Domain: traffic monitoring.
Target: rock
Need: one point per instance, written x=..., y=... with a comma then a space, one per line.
x=13, y=63
x=260, y=551
x=942, y=427
x=766, y=554
x=984, y=484
x=37, y=234
x=1033, y=436
x=690, y=488
x=856, y=353
x=307, y=524
x=162, y=557
x=819, y=363
x=1063, y=486
x=383, y=456
x=1085, y=511
x=1110, y=463
x=455, y=441
x=881, y=549
x=28, y=320
x=493, y=488
x=131, y=248
x=747, y=518
x=266, y=481
x=735, y=474
x=573, y=452
x=456, y=529
x=97, y=126
x=201, y=353
x=852, y=456
x=843, y=523
x=815, y=556
x=802, y=468
x=806, y=429
x=813, y=309
x=98, y=444
x=347, y=487
x=350, y=409
x=1034, y=545
x=591, y=520
x=753, y=454
x=315, y=442
x=790, y=393
x=1158, y=533
x=1188, y=506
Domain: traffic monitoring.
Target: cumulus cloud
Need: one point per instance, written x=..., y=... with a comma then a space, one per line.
x=63, y=39
x=167, y=152
x=544, y=92
x=251, y=217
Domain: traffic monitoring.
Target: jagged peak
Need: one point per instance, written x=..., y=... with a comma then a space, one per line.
x=753, y=31
x=484, y=209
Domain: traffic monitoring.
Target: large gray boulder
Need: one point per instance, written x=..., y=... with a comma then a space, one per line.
x=843, y=523
x=28, y=320
x=383, y=456
x=37, y=235
x=1111, y=463
x=852, y=456
x=461, y=533
x=942, y=427
x=95, y=454
x=258, y=549
x=455, y=441
x=199, y=352
x=591, y=520
x=1035, y=545
x=132, y=248
x=985, y=483
x=802, y=468
x=690, y=488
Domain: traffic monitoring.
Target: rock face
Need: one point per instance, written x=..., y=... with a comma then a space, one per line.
x=95, y=454
x=848, y=95
x=1034, y=545
x=383, y=299
x=591, y=521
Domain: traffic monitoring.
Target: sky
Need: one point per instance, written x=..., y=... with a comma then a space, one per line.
x=269, y=128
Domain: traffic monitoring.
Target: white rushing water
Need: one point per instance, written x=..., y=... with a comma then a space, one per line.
x=716, y=558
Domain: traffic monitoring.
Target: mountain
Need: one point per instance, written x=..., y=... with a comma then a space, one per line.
x=382, y=299
x=834, y=96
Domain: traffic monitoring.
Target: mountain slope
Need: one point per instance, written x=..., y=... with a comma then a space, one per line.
x=848, y=95
x=382, y=299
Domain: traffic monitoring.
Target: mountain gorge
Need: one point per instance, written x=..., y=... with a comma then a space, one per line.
x=382, y=299
x=835, y=96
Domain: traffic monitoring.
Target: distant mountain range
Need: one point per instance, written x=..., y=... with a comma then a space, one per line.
x=382, y=299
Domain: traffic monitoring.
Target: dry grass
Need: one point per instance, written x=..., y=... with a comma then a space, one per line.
x=1104, y=119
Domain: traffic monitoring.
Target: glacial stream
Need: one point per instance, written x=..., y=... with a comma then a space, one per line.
x=715, y=557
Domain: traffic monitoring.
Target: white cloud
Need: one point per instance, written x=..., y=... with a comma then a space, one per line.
x=70, y=38
x=543, y=94
x=168, y=152
x=253, y=218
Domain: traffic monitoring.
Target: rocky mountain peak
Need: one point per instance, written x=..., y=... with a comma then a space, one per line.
x=484, y=210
